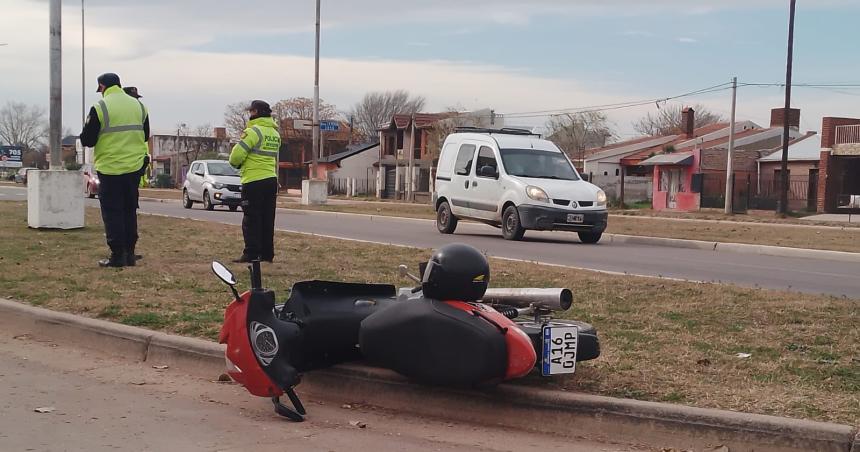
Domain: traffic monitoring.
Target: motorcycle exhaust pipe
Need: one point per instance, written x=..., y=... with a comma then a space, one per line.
x=559, y=299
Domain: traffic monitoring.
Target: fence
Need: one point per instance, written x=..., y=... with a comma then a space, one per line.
x=340, y=186
x=753, y=193
x=636, y=188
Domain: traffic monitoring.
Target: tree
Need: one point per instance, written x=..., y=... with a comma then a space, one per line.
x=301, y=108
x=377, y=108
x=23, y=125
x=236, y=117
x=669, y=119
x=574, y=133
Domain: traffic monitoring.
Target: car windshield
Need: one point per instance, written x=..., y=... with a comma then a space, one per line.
x=537, y=164
x=222, y=169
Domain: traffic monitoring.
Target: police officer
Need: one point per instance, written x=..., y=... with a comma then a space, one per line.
x=256, y=157
x=118, y=128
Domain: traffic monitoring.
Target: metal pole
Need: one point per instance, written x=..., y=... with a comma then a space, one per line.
x=730, y=180
x=316, y=119
x=83, y=68
x=411, y=170
x=56, y=91
x=783, y=195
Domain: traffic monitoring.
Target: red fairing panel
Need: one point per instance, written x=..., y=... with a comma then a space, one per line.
x=245, y=369
x=521, y=352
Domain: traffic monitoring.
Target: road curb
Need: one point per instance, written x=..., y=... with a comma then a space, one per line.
x=739, y=248
x=508, y=405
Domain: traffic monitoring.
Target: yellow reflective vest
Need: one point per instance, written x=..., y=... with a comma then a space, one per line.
x=256, y=153
x=121, y=145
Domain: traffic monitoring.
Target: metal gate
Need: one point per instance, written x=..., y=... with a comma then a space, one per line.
x=390, y=182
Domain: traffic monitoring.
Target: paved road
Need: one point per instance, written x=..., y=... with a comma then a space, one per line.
x=98, y=403
x=798, y=274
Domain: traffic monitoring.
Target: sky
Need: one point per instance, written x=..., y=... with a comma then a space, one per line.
x=190, y=58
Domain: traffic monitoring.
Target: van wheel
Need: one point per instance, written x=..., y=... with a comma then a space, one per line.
x=233, y=208
x=589, y=237
x=186, y=201
x=512, y=229
x=446, y=222
x=207, y=203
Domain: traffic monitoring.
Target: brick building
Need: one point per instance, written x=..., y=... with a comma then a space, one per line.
x=839, y=166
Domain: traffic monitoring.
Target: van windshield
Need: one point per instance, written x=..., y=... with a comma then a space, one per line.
x=537, y=164
x=222, y=169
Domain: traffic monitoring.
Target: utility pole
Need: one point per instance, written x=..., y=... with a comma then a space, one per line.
x=316, y=119
x=56, y=90
x=730, y=180
x=83, y=68
x=783, y=174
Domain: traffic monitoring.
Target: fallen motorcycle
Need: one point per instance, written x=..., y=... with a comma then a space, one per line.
x=449, y=330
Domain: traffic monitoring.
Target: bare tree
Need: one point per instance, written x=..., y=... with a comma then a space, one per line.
x=301, y=108
x=377, y=108
x=23, y=125
x=668, y=120
x=236, y=118
x=574, y=133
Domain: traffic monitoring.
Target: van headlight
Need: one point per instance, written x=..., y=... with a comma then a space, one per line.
x=601, y=197
x=536, y=193
x=217, y=185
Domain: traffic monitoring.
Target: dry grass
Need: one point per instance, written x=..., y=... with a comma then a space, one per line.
x=662, y=341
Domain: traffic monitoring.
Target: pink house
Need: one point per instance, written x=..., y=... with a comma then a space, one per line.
x=673, y=180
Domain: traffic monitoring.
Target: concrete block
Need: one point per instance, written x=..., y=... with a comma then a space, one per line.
x=314, y=192
x=55, y=199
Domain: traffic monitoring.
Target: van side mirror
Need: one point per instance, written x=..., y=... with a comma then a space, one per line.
x=585, y=177
x=488, y=171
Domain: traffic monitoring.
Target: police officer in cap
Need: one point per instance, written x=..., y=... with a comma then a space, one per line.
x=256, y=157
x=118, y=128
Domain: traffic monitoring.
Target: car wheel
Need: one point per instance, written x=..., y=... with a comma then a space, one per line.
x=512, y=229
x=207, y=203
x=590, y=237
x=186, y=201
x=446, y=222
x=234, y=208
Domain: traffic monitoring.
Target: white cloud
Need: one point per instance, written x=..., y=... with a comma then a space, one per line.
x=687, y=40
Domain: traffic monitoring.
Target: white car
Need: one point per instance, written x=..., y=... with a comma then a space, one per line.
x=212, y=182
x=513, y=179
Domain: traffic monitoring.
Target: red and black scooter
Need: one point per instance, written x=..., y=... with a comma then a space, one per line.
x=457, y=342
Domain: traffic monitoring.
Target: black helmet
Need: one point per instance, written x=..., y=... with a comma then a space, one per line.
x=456, y=272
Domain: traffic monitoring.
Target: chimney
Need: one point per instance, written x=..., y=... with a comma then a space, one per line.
x=220, y=133
x=688, y=121
x=777, y=117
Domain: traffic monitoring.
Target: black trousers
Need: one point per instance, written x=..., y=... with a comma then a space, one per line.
x=118, y=197
x=258, y=224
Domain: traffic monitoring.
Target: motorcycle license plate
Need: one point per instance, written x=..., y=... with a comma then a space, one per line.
x=575, y=218
x=559, y=349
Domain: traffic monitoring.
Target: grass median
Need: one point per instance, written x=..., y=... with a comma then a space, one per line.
x=662, y=340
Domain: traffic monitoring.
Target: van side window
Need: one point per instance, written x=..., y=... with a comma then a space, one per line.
x=486, y=157
x=464, y=160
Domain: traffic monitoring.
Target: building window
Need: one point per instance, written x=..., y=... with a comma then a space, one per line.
x=606, y=173
x=617, y=171
x=399, y=139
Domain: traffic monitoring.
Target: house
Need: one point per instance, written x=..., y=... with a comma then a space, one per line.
x=172, y=154
x=352, y=171
x=673, y=165
x=396, y=138
x=804, y=155
x=839, y=166
x=295, y=157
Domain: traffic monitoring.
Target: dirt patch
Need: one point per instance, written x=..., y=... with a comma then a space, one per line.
x=663, y=341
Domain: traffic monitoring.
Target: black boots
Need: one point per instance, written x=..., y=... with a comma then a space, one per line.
x=115, y=260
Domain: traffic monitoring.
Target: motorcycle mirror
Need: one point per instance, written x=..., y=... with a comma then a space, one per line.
x=223, y=273
x=404, y=271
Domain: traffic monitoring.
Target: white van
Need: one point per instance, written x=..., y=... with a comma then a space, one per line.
x=513, y=179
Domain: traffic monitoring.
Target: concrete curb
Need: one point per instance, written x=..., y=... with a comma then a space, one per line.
x=740, y=248
x=509, y=405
